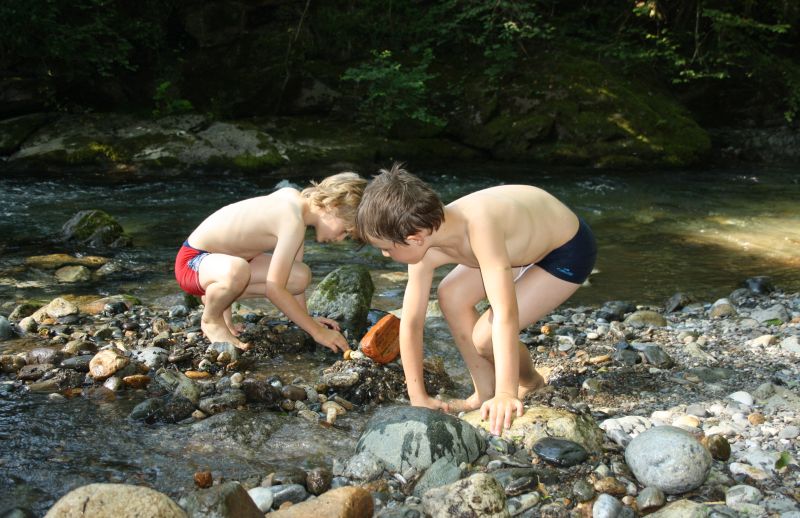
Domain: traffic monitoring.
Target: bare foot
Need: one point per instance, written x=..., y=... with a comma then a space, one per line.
x=228, y=317
x=464, y=405
x=219, y=332
x=538, y=381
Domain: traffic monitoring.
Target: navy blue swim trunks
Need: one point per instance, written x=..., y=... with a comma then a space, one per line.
x=573, y=261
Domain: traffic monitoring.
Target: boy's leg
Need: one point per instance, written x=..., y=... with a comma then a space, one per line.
x=538, y=293
x=299, y=278
x=224, y=278
x=458, y=293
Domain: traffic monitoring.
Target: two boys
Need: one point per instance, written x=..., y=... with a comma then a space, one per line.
x=516, y=245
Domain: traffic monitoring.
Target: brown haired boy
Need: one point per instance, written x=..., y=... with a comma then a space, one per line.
x=226, y=258
x=515, y=244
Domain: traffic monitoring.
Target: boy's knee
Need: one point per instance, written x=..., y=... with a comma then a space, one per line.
x=445, y=293
x=482, y=339
x=299, y=278
x=237, y=272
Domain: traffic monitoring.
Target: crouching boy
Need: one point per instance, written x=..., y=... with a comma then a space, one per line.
x=254, y=248
x=516, y=245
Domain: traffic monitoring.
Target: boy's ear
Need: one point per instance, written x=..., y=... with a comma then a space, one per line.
x=417, y=238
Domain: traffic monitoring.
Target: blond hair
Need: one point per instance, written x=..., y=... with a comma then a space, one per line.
x=340, y=193
x=396, y=204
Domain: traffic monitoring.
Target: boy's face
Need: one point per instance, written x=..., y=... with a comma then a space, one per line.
x=330, y=227
x=410, y=253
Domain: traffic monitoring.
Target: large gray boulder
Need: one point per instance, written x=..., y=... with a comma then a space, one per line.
x=344, y=295
x=415, y=437
x=668, y=458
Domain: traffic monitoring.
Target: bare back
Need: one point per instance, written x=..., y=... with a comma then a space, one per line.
x=529, y=220
x=251, y=227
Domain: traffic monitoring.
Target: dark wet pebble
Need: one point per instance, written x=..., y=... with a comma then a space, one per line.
x=560, y=452
x=582, y=491
x=294, y=392
x=78, y=363
x=318, y=480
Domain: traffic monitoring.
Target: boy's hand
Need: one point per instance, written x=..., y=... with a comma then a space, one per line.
x=430, y=402
x=329, y=323
x=500, y=412
x=331, y=339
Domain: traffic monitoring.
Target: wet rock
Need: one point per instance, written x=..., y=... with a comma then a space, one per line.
x=149, y=410
x=227, y=500
x=742, y=494
x=722, y=308
x=650, y=499
x=75, y=273
x=56, y=308
x=98, y=306
x=21, y=311
x=676, y=302
x=540, y=421
x=78, y=363
x=94, y=228
x=262, y=497
x=229, y=400
x=404, y=437
x=178, y=383
x=294, y=493
x=318, y=480
x=606, y=506
x=615, y=310
x=33, y=372
x=645, y=318
x=224, y=352
x=118, y=500
x=343, y=502
x=43, y=355
x=582, y=491
x=363, y=466
x=6, y=330
x=560, y=452
x=344, y=295
x=760, y=285
x=478, y=495
x=152, y=357
x=106, y=363
x=654, y=355
x=11, y=363
x=668, y=458
x=293, y=392
x=775, y=314
x=682, y=509
x=257, y=391
x=55, y=261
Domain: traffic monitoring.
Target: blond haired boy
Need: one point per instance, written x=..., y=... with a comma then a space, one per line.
x=517, y=245
x=254, y=248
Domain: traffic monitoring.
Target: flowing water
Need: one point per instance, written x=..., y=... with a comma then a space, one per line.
x=701, y=232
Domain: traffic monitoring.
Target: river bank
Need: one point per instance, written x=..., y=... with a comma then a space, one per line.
x=724, y=369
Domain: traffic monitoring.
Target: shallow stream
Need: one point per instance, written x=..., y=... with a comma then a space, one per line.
x=701, y=232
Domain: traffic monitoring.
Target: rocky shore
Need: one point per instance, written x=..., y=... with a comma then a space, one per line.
x=687, y=409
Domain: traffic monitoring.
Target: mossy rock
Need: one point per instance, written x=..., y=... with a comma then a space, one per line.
x=95, y=228
x=345, y=295
x=567, y=109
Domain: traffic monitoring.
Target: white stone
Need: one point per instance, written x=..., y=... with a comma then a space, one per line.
x=262, y=496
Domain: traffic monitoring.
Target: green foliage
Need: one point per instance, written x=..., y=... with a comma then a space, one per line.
x=391, y=92
x=501, y=29
x=695, y=41
x=167, y=102
x=79, y=42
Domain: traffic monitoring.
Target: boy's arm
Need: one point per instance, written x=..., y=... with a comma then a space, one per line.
x=290, y=240
x=489, y=246
x=412, y=324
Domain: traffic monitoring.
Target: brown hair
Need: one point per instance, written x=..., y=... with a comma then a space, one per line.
x=397, y=204
x=340, y=193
